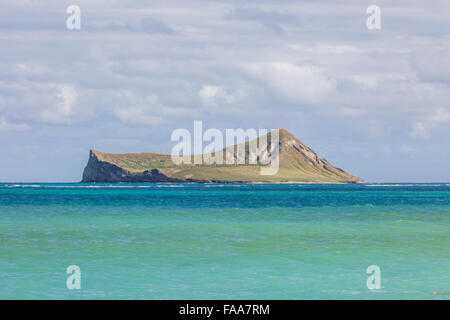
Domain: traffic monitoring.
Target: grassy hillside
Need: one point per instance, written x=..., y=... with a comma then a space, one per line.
x=298, y=163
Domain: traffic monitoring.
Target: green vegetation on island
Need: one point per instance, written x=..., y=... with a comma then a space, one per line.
x=297, y=164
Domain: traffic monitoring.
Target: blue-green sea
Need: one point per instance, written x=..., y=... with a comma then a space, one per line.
x=232, y=241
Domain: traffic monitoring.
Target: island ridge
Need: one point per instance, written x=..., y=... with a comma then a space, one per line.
x=297, y=164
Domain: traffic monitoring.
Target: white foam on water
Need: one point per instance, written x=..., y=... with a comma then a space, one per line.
x=388, y=185
x=404, y=185
x=88, y=187
x=223, y=185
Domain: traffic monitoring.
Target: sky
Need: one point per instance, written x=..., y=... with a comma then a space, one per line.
x=373, y=102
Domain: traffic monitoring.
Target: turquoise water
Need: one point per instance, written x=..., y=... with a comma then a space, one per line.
x=192, y=241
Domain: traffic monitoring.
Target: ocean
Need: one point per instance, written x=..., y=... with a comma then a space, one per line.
x=224, y=241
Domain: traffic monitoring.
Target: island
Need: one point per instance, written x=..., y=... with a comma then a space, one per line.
x=297, y=164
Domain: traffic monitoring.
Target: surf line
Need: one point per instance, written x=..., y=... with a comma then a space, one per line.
x=196, y=310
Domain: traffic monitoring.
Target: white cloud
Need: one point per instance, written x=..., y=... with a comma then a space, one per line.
x=39, y=103
x=141, y=113
x=365, y=81
x=145, y=110
x=419, y=130
x=295, y=83
x=441, y=115
x=422, y=128
x=62, y=110
x=213, y=96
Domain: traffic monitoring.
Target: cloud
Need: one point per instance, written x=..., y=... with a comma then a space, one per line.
x=62, y=110
x=145, y=110
x=295, y=83
x=419, y=130
x=430, y=63
x=143, y=68
x=146, y=25
x=213, y=96
x=6, y=126
x=441, y=115
x=422, y=128
x=270, y=19
x=152, y=25
x=46, y=103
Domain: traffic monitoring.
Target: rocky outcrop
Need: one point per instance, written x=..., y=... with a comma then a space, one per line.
x=102, y=171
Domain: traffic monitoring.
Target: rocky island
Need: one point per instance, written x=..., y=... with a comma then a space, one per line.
x=297, y=164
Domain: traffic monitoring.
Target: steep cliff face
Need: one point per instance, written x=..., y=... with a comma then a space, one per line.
x=297, y=163
x=98, y=170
